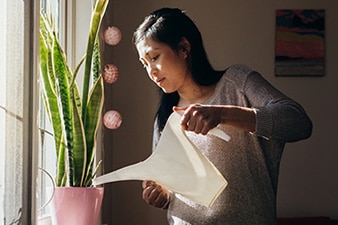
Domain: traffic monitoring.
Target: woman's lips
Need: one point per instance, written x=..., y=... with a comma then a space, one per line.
x=159, y=81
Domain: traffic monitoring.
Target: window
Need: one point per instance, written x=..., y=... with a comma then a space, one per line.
x=17, y=110
x=20, y=137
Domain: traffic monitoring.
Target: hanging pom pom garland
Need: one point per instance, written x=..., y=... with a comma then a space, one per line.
x=110, y=73
x=112, y=119
x=112, y=35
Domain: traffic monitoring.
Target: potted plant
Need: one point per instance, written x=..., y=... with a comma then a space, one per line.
x=74, y=118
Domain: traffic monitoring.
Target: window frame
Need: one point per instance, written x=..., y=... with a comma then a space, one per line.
x=30, y=109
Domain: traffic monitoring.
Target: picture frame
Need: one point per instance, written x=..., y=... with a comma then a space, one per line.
x=300, y=42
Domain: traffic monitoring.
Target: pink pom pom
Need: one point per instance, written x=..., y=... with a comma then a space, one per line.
x=112, y=119
x=110, y=73
x=112, y=35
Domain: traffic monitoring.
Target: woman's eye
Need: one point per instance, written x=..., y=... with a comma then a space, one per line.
x=154, y=58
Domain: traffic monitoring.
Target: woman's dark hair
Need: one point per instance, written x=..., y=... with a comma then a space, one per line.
x=170, y=26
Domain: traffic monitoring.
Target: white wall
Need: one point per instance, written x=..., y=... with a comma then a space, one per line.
x=234, y=31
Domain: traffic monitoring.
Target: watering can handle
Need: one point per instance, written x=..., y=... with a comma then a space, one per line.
x=53, y=191
x=214, y=131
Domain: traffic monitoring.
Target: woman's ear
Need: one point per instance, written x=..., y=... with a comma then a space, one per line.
x=185, y=46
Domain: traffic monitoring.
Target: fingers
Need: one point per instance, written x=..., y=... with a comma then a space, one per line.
x=197, y=122
x=154, y=194
x=146, y=183
x=198, y=118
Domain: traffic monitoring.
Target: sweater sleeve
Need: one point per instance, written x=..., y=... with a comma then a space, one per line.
x=277, y=116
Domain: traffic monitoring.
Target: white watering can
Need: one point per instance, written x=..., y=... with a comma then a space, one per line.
x=178, y=165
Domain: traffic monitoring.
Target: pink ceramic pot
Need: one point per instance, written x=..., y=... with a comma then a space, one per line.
x=76, y=205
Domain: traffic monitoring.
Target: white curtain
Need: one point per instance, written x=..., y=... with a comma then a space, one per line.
x=17, y=112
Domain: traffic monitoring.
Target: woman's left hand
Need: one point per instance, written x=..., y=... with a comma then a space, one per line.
x=154, y=194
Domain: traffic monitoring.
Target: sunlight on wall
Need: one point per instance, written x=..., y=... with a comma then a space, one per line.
x=11, y=110
x=3, y=21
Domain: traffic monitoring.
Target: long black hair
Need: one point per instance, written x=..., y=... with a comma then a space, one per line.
x=170, y=26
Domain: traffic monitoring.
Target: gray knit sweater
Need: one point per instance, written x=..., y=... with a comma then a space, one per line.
x=249, y=161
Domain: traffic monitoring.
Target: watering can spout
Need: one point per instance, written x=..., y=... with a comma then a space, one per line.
x=133, y=172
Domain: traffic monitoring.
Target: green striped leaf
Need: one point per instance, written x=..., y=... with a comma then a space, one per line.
x=97, y=16
x=96, y=67
x=64, y=99
x=93, y=117
x=80, y=149
x=61, y=175
x=48, y=81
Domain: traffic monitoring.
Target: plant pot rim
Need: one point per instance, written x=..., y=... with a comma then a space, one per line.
x=79, y=188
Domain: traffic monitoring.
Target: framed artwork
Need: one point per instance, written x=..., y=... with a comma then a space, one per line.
x=300, y=42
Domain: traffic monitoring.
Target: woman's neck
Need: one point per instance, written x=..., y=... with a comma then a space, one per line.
x=195, y=95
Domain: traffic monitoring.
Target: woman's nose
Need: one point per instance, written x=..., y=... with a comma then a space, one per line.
x=152, y=71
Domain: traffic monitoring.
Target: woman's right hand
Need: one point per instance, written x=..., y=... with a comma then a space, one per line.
x=154, y=194
x=202, y=118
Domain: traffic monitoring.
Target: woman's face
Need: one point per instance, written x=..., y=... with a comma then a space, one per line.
x=167, y=68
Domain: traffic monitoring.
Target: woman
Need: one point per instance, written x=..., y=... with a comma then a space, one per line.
x=258, y=117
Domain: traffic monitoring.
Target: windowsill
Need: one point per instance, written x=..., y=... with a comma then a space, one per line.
x=46, y=220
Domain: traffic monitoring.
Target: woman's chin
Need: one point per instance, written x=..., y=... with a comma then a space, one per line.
x=167, y=91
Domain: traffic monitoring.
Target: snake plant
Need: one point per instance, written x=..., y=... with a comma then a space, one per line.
x=74, y=118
